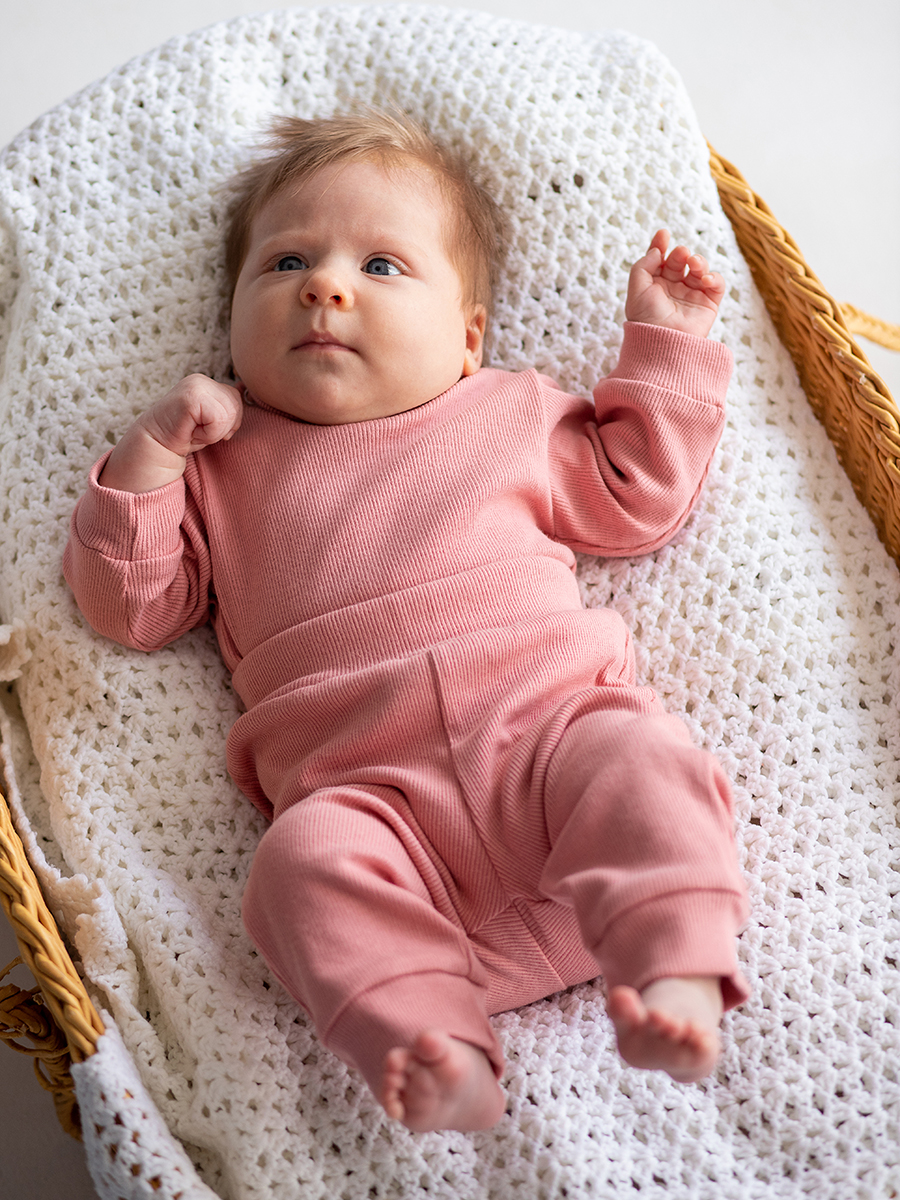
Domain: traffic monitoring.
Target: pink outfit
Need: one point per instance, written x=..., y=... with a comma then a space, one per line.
x=492, y=810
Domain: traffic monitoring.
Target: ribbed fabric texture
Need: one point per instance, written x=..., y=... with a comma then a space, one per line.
x=299, y=522
x=441, y=870
x=331, y=547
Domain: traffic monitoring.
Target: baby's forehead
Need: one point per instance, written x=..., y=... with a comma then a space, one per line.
x=408, y=177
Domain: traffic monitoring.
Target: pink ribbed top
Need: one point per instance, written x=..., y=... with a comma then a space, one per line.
x=319, y=548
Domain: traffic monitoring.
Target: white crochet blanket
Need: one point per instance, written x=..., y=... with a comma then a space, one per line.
x=768, y=625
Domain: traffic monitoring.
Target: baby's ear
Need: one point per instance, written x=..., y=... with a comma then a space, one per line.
x=475, y=327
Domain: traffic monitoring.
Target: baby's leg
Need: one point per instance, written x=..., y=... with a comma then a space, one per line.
x=642, y=848
x=671, y=1026
x=352, y=917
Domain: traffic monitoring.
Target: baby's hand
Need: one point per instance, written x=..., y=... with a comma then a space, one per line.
x=196, y=413
x=678, y=292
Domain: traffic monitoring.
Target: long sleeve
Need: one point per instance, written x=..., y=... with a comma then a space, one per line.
x=138, y=565
x=657, y=420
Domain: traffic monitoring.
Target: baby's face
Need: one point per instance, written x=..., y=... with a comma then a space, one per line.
x=347, y=307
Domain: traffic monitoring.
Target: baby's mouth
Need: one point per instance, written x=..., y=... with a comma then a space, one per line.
x=321, y=341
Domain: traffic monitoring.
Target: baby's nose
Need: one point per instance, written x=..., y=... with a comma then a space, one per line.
x=326, y=287
x=323, y=296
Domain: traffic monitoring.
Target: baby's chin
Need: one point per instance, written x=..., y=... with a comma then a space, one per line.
x=311, y=410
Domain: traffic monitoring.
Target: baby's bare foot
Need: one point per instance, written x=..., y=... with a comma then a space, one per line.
x=671, y=1026
x=440, y=1083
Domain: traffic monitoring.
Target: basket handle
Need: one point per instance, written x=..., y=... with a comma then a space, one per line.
x=870, y=327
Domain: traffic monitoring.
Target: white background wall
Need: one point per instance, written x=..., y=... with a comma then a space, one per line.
x=803, y=96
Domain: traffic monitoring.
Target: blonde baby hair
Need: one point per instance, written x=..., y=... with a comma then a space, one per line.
x=299, y=148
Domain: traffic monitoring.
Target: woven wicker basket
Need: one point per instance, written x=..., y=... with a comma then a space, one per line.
x=58, y=1019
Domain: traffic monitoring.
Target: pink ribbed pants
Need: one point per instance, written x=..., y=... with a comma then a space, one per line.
x=491, y=862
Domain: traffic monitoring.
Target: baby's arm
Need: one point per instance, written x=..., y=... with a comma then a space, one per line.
x=137, y=558
x=197, y=412
x=677, y=291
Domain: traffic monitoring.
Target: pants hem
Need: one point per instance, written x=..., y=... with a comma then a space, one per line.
x=393, y=1013
x=681, y=934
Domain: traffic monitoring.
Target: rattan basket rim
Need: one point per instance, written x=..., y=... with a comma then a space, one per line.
x=848, y=396
x=41, y=945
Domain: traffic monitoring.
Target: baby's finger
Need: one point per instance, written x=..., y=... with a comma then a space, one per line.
x=660, y=241
x=655, y=256
x=697, y=271
x=674, y=266
x=714, y=286
x=236, y=418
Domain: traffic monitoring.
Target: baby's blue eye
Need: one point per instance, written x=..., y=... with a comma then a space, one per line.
x=290, y=262
x=380, y=266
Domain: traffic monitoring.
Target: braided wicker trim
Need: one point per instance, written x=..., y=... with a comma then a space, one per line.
x=64, y=1028
x=848, y=397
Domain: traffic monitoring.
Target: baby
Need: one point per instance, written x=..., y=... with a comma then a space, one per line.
x=473, y=803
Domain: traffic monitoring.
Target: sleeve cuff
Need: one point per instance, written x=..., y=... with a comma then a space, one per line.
x=679, y=362
x=125, y=525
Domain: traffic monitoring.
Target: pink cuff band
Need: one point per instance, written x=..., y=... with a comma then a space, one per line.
x=395, y=1012
x=685, y=933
